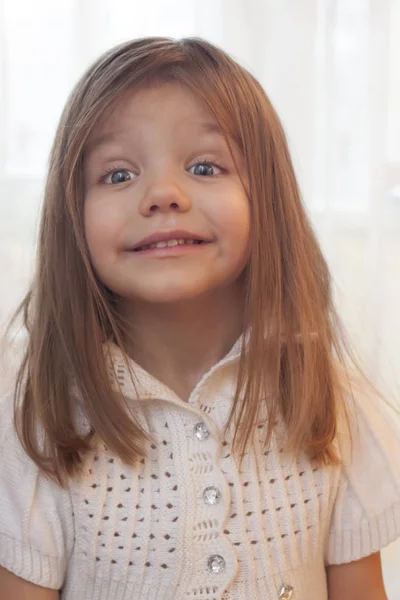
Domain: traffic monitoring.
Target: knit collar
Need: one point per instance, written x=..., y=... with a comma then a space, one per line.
x=136, y=383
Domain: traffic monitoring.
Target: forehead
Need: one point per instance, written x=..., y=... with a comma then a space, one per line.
x=170, y=105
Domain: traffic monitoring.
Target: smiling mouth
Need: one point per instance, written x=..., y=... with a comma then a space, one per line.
x=170, y=244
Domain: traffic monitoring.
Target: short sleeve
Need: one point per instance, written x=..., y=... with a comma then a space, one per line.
x=366, y=512
x=36, y=522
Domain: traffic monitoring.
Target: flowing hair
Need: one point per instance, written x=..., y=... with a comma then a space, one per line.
x=296, y=357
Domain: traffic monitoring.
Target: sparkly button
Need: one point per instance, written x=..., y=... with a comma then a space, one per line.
x=286, y=592
x=216, y=563
x=201, y=431
x=211, y=495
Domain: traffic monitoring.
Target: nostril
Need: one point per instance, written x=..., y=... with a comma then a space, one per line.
x=170, y=206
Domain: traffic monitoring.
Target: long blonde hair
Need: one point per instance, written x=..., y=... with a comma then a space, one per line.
x=294, y=369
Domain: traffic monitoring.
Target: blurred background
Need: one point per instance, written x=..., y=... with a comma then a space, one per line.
x=332, y=70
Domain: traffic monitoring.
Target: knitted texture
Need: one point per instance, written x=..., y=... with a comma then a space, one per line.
x=186, y=523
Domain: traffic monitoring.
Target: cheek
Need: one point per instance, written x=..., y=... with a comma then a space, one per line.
x=234, y=218
x=102, y=228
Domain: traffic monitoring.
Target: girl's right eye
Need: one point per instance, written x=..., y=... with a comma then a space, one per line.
x=116, y=176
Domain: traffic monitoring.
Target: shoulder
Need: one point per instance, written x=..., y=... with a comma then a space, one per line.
x=10, y=447
x=36, y=524
x=13, y=456
x=370, y=446
x=6, y=415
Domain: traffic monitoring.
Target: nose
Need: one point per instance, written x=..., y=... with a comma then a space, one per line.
x=164, y=196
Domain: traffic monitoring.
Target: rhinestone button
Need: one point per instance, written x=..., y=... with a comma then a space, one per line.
x=286, y=592
x=216, y=563
x=201, y=431
x=211, y=495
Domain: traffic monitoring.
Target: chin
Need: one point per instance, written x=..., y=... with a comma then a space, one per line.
x=169, y=295
x=170, y=289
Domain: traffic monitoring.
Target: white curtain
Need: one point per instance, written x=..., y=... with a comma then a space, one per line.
x=332, y=69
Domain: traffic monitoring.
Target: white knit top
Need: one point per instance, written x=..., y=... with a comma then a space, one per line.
x=186, y=523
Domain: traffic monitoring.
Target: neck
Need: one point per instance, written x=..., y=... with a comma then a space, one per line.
x=179, y=343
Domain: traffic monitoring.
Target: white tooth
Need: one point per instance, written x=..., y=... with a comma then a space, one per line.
x=190, y=241
x=161, y=245
x=172, y=243
x=153, y=245
x=181, y=242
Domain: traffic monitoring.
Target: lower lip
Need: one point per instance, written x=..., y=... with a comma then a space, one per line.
x=171, y=250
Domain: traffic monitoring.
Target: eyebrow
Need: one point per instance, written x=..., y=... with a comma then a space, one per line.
x=103, y=139
x=210, y=127
x=111, y=136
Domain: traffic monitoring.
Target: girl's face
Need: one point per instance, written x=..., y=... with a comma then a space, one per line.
x=158, y=171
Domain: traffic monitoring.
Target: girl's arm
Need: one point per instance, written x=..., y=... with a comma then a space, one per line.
x=359, y=579
x=15, y=588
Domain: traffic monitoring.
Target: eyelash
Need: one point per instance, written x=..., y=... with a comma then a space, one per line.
x=112, y=169
x=211, y=163
x=115, y=168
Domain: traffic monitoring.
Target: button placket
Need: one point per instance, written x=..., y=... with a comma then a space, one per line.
x=211, y=494
x=211, y=497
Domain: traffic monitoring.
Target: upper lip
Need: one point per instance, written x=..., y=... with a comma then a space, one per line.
x=165, y=236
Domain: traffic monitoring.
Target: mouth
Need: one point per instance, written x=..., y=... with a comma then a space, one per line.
x=170, y=244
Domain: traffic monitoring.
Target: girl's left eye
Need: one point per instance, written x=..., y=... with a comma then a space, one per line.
x=205, y=169
x=116, y=176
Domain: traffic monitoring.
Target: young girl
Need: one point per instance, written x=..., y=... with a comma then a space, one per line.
x=182, y=425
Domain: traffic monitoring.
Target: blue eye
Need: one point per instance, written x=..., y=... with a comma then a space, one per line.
x=118, y=176
x=205, y=169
